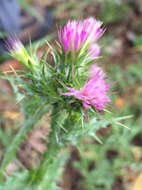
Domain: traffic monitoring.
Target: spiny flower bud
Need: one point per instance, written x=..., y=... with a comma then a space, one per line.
x=18, y=51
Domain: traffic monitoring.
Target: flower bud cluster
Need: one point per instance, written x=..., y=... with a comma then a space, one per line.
x=74, y=37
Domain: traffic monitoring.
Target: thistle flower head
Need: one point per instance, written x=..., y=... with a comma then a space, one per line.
x=18, y=51
x=76, y=35
x=93, y=94
x=15, y=47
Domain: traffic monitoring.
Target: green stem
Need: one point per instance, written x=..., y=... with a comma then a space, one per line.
x=51, y=160
x=50, y=165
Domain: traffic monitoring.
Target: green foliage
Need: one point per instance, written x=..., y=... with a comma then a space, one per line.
x=29, y=180
x=42, y=86
x=113, y=11
x=127, y=77
x=104, y=166
x=138, y=41
x=29, y=123
x=17, y=181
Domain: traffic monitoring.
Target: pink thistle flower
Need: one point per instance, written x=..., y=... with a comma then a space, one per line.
x=76, y=35
x=93, y=94
x=94, y=51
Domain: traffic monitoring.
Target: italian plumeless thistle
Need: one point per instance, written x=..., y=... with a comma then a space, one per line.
x=72, y=89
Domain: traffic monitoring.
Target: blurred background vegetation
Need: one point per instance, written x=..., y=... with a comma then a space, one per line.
x=117, y=163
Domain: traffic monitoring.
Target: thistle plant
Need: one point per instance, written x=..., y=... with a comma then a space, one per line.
x=74, y=90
